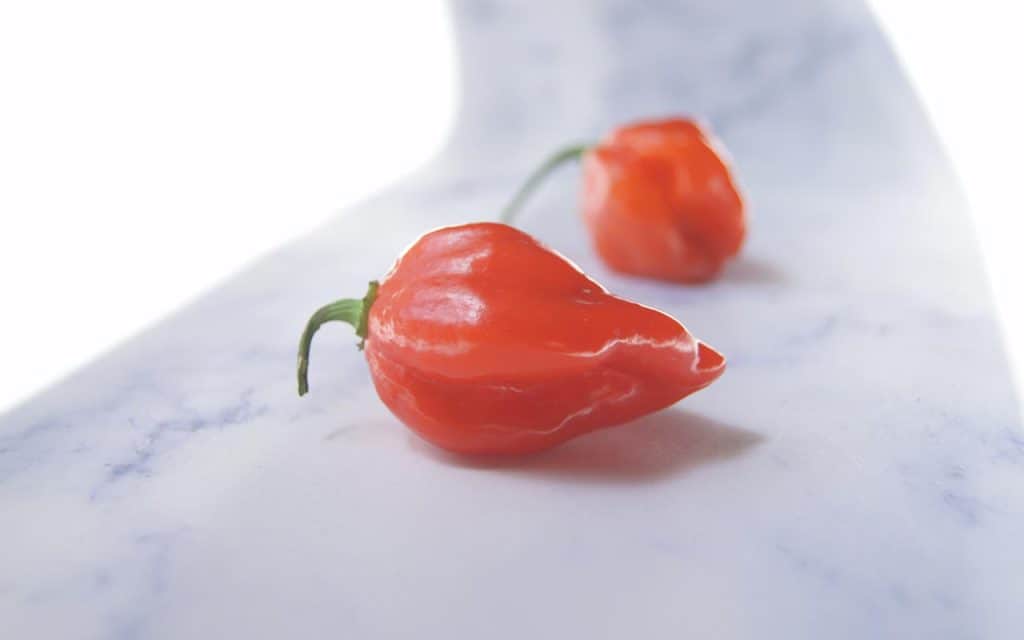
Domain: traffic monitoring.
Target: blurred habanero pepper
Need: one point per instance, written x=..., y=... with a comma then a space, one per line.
x=658, y=199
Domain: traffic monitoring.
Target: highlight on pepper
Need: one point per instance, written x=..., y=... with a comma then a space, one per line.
x=658, y=199
x=484, y=341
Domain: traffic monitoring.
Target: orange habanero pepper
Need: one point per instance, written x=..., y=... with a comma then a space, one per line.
x=658, y=198
x=484, y=341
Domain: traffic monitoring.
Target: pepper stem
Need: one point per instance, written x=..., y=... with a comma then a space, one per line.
x=350, y=310
x=560, y=157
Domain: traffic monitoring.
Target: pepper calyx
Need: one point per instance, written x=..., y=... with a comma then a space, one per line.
x=355, y=312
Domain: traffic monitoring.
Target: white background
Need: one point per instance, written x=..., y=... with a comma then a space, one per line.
x=150, y=149
x=964, y=59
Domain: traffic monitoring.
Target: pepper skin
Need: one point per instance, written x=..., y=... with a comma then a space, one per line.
x=658, y=199
x=484, y=341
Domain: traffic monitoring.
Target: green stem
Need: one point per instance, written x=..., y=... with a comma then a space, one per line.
x=560, y=157
x=355, y=312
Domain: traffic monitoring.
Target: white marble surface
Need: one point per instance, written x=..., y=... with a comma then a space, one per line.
x=857, y=473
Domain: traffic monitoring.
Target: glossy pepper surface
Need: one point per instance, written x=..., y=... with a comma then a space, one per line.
x=484, y=341
x=658, y=199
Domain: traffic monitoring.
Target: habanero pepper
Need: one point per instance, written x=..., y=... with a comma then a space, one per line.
x=484, y=341
x=658, y=199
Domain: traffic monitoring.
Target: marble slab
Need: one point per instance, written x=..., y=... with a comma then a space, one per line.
x=857, y=473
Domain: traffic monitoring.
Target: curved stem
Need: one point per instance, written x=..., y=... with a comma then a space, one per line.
x=560, y=157
x=354, y=312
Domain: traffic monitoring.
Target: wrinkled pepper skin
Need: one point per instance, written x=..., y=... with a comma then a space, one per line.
x=484, y=341
x=660, y=202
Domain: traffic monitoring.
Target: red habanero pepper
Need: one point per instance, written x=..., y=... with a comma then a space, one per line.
x=658, y=198
x=484, y=341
